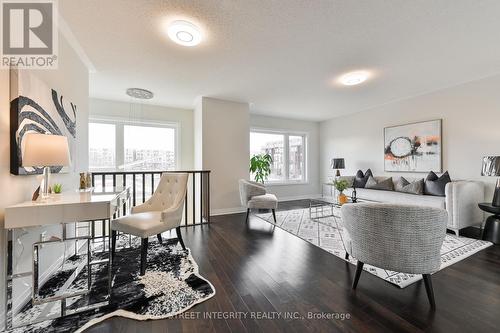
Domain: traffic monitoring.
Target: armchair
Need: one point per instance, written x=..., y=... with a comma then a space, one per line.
x=401, y=238
x=162, y=212
x=254, y=195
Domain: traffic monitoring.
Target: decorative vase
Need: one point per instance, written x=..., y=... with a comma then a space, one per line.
x=342, y=198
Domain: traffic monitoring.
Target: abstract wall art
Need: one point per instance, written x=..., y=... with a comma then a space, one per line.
x=34, y=107
x=415, y=147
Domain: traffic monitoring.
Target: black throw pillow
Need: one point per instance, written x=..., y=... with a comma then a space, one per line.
x=361, y=179
x=435, y=185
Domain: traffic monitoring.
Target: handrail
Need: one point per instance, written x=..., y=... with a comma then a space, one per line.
x=197, y=200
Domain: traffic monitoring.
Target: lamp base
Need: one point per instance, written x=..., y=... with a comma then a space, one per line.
x=45, y=183
x=496, y=197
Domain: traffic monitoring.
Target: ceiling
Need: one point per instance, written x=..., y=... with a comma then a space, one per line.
x=283, y=56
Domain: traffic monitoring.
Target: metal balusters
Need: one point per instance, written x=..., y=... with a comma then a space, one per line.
x=133, y=189
x=200, y=200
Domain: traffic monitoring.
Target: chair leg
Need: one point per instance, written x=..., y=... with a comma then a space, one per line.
x=359, y=269
x=179, y=237
x=113, y=243
x=248, y=213
x=429, y=289
x=274, y=215
x=159, y=238
x=144, y=255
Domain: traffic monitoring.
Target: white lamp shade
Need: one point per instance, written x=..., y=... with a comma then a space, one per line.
x=45, y=150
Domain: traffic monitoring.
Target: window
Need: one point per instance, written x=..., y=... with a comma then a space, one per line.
x=149, y=148
x=102, y=146
x=288, y=151
x=132, y=146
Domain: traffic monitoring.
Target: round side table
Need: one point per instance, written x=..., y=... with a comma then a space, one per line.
x=491, y=231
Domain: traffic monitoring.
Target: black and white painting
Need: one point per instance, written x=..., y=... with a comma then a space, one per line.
x=37, y=108
x=413, y=147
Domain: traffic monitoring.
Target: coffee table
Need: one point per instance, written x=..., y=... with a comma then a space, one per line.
x=326, y=206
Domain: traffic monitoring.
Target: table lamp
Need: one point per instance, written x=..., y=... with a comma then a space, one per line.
x=491, y=167
x=338, y=163
x=45, y=150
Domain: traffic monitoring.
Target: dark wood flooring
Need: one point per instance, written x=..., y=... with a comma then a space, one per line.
x=259, y=269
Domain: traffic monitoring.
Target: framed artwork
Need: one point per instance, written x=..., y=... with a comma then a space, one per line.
x=36, y=108
x=415, y=147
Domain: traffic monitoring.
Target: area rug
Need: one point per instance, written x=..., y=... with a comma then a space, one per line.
x=170, y=286
x=327, y=233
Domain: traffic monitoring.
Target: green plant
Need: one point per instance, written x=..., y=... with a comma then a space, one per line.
x=260, y=166
x=57, y=188
x=341, y=185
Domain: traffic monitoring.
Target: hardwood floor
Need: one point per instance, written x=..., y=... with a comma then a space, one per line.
x=261, y=269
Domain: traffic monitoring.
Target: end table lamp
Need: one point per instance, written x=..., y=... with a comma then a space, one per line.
x=491, y=167
x=338, y=163
x=45, y=150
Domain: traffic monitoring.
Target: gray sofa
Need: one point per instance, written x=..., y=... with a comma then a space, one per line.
x=460, y=201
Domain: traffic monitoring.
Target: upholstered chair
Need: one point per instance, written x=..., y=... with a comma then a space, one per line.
x=162, y=212
x=401, y=238
x=254, y=195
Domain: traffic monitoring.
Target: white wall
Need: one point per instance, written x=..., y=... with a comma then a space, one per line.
x=471, y=118
x=154, y=113
x=71, y=80
x=225, y=149
x=298, y=191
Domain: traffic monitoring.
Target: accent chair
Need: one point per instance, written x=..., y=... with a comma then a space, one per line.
x=254, y=195
x=401, y=238
x=162, y=212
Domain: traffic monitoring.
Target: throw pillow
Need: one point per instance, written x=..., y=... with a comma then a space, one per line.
x=435, y=185
x=361, y=179
x=403, y=185
x=385, y=184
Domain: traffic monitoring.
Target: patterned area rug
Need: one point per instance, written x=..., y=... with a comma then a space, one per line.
x=170, y=286
x=327, y=234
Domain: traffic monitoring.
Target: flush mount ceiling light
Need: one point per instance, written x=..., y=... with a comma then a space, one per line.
x=184, y=33
x=353, y=78
x=139, y=93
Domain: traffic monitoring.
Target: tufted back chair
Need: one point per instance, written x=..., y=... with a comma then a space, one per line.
x=170, y=192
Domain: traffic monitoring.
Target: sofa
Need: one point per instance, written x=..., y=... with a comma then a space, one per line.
x=460, y=200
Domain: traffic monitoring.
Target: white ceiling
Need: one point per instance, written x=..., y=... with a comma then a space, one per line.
x=283, y=56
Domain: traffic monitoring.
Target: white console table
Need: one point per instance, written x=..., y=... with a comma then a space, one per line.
x=68, y=207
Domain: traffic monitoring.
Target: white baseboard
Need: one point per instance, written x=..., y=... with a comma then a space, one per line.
x=227, y=211
x=236, y=210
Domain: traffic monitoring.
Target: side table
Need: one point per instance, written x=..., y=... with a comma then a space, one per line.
x=491, y=231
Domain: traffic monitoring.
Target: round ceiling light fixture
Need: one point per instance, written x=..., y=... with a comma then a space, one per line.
x=184, y=33
x=353, y=78
x=139, y=93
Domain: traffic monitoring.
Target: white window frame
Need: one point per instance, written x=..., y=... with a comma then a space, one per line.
x=286, y=134
x=120, y=135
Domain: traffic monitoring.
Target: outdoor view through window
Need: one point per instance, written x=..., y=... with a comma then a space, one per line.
x=287, y=151
x=139, y=147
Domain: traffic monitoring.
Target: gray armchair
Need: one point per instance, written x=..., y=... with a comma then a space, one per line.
x=254, y=195
x=401, y=238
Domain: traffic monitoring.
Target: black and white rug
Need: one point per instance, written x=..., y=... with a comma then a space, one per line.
x=170, y=286
x=327, y=233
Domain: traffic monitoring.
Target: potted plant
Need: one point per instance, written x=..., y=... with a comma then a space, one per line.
x=57, y=188
x=341, y=185
x=260, y=167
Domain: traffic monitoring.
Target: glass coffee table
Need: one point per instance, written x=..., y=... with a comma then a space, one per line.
x=326, y=207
